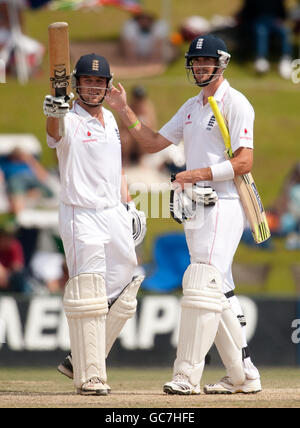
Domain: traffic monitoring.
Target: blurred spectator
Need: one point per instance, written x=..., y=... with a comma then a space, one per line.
x=143, y=38
x=143, y=107
x=295, y=18
x=49, y=270
x=4, y=205
x=284, y=214
x=36, y=4
x=12, y=276
x=194, y=26
x=265, y=19
x=140, y=166
x=11, y=36
x=4, y=13
x=25, y=179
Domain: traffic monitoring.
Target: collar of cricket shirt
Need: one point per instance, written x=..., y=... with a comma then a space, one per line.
x=222, y=89
x=83, y=113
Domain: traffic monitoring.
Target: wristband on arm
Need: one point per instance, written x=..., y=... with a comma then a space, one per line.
x=134, y=124
x=222, y=171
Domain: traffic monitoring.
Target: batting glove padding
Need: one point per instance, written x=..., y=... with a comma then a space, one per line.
x=184, y=203
x=139, y=223
x=56, y=106
x=204, y=195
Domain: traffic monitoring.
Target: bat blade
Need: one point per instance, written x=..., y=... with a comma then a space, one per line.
x=253, y=207
x=59, y=63
x=59, y=58
x=246, y=187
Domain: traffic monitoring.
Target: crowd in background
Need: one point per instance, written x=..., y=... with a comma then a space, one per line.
x=266, y=31
x=29, y=199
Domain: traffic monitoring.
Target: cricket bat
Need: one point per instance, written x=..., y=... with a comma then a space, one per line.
x=245, y=185
x=59, y=62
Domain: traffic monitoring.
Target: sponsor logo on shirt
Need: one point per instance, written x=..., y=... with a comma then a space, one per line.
x=90, y=140
x=211, y=123
x=89, y=134
x=188, y=122
x=245, y=136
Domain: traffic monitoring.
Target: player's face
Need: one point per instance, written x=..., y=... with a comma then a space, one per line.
x=92, y=88
x=203, y=68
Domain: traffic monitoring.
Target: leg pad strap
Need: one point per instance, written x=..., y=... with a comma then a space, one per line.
x=121, y=310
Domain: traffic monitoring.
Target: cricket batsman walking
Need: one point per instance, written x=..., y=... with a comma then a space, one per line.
x=95, y=226
x=210, y=312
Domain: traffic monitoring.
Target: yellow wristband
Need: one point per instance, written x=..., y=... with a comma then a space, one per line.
x=134, y=124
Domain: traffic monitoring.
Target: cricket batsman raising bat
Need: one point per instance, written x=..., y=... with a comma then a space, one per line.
x=98, y=223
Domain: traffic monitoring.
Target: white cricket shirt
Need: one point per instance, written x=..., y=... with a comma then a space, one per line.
x=89, y=158
x=196, y=125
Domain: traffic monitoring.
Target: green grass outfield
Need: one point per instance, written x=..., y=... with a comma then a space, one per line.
x=27, y=387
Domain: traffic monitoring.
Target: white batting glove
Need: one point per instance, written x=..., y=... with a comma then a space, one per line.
x=56, y=106
x=181, y=206
x=184, y=203
x=203, y=195
x=139, y=227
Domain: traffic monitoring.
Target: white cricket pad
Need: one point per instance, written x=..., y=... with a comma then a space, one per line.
x=85, y=305
x=229, y=343
x=201, y=309
x=121, y=310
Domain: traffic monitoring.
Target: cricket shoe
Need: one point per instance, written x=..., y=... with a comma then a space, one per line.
x=66, y=367
x=225, y=386
x=94, y=386
x=181, y=385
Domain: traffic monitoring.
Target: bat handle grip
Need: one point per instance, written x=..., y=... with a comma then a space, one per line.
x=62, y=131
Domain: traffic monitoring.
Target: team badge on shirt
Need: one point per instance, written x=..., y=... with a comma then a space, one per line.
x=211, y=123
x=118, y=134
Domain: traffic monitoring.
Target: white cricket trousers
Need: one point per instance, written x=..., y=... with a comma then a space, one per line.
x=213, y=237
x=99, y=242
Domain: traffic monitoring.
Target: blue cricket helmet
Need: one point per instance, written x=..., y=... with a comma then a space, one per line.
x=92, y=65
x=208, y=46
